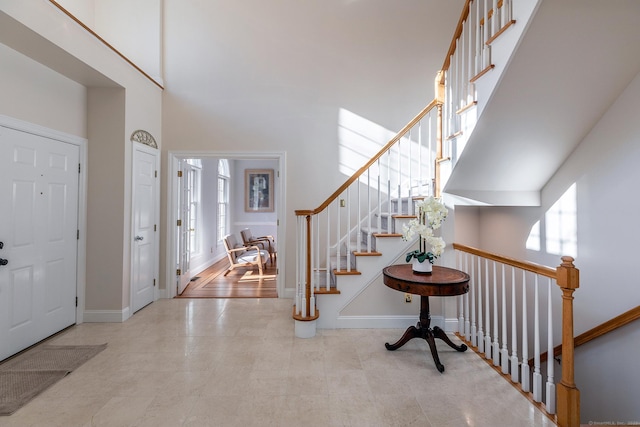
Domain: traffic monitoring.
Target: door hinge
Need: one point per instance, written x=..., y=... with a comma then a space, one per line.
x=178, y=272
x=154, y=227
x=77, y=234
x=78, y=167
x=179, y=174
x=154, y=283
x=277, y=174
x=76, y=301
x=179, y=224
x=155, y=174
x=278, y=223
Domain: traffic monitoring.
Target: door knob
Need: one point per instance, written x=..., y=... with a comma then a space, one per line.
x=139, y=238
x=4, y=261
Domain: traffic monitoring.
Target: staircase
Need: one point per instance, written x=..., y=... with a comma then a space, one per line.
x=344, y=243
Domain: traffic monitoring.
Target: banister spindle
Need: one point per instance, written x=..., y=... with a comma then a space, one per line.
x=504, y=353
x=480, y=307
x=525, y=377
x=467, y=324
x=472, y=291
x=348, y=233
x=328, y=252
x=514, y=327
x=496, y=329
x=487, y=318
x=537, y=376
x=550, y=397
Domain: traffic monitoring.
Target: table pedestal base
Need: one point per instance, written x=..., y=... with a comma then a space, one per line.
x=423, y=330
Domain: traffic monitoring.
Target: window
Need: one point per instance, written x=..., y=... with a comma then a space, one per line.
x=223, y=198
x=194, y=175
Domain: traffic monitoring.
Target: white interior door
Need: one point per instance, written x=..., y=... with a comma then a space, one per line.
x=184, y=217
x=143, y=266
x=38, y=230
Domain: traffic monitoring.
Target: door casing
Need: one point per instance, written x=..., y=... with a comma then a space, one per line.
x=173, y=166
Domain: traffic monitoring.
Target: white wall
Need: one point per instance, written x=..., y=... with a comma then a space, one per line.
x=134, y=28
x=76, y=84
x=255, y=76
x=605, y=170
x=37, y=94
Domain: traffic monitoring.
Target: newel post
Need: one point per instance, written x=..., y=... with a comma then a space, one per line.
x=568, y=395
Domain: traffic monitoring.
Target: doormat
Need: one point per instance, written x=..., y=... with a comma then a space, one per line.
x=26, y=375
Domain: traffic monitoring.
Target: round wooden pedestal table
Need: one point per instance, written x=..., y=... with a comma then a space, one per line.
x=442, y=282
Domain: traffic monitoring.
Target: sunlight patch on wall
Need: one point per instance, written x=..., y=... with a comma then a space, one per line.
x=360, y=139
x=557, y=232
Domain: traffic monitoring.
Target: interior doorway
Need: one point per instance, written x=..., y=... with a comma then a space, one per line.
x=194, y=241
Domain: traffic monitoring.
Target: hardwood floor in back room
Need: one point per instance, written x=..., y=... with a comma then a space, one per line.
x=239, y=283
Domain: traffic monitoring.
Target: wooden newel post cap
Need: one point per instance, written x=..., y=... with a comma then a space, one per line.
x=568, y=275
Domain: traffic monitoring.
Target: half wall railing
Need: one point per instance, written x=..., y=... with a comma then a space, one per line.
x=508, y=317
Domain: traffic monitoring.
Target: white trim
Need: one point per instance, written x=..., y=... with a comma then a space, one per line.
x=137, y=146
x=173, y=158
x=384, y=322
x=451, y=325
x=106, y=316
x=81, y=261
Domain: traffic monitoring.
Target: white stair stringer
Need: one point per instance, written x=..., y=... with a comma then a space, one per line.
x=350, y=286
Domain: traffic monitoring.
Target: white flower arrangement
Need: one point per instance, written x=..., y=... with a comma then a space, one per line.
x=431, y=214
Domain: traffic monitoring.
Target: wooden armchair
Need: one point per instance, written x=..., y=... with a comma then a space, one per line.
x=243, y=256
x=267, y=243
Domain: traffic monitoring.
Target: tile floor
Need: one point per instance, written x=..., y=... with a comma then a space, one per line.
x=212, y=362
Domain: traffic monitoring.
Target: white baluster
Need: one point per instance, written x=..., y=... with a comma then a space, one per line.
x=369, y=211
x=551, y=385
x=480, y=331
x=328, y=249
x=504, y=353
x=496, y=329
x=399, y=211
x=379, y=227
x=525, y=376
x=487, y=307
x=494, y=19
x=348, y=234
x=467, y=325
x=514, y=332
x=478, y=43
x=461, y=298
x=485, y=37
x=474, y=331
x=537, y=376
x=470, y=50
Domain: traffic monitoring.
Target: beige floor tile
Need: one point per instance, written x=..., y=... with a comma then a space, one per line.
x=207, y=362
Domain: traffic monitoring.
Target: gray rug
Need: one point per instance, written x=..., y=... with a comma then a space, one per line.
x=28, y=374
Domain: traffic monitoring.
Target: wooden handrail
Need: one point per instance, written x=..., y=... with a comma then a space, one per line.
x=93, y=33
x=456, y=35
x=524, y=265
x=364, y=168
x=593, y=333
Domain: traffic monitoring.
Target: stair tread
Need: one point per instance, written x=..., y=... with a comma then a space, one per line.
x=373, y=253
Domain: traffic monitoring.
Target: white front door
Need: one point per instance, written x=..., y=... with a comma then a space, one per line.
x=38, y=230
x=143, y=267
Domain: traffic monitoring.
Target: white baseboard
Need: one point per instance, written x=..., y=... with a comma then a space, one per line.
x=106, y=316
x=383, y=322
x=451, y=325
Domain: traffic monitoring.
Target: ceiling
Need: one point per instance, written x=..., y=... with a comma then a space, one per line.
x=575, y=59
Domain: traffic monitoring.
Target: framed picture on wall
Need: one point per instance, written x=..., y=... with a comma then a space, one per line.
x=258, y=194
